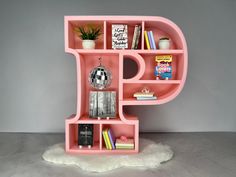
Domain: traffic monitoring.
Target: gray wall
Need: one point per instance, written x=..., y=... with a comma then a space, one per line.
x=37, y=79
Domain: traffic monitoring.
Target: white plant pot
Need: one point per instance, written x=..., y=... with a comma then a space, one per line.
x=164, y=44
x=88, y=44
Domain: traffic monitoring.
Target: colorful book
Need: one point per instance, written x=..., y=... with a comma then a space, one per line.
x=146, y=98
x=111, y=138
x=150, y=40
x=146, y=40
x=124, y=143
x=124, y=147
x=153, y=40
x=134, y=36
x=163, y=70
x=105, y=140
x=108, y=140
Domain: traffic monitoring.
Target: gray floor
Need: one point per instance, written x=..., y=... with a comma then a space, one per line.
x=196, y=155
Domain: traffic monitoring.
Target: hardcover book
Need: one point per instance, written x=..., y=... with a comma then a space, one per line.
x=136, y=37
x=119, y=36
x=150, y=40
x=143, y=94
x=147, y=40
x=85, y=134
x=111, y=138
x=124, y=143
x=146, y=98
x=163, y=70
x=153, y=40
x=106, y=139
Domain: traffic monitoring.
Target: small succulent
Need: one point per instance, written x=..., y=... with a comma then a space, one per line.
x=89, y=32
x=164, y=38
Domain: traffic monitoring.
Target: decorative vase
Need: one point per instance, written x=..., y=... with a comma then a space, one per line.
x=164, y=43
x=88, y=44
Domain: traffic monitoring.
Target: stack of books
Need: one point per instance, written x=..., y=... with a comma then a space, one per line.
x=149, y=39
x=136, y=37
x=145, y=96
x=108, y=139
x=124, y=143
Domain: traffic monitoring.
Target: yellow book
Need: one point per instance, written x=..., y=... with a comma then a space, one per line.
x=108, y=140
x=146, y=39
x=105, y=140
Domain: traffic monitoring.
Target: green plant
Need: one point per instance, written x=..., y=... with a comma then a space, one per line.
x=89, y=32
x=164, y=38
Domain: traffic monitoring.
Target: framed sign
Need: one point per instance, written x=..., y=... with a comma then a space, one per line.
x=102, y=104
x=85, y=134
x=119, y=36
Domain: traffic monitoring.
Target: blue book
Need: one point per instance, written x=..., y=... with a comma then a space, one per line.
x=111, y=137
x=152, y=40
x=147, y=98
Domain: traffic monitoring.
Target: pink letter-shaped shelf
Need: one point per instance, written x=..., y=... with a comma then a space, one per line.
x=86, y=60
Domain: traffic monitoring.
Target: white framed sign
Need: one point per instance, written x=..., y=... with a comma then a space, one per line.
x=119, y=36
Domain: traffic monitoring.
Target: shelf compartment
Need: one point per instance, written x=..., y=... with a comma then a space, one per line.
x=88, y=62
x=74, y=42
x=119, y=130
x=161, y=29
x=131, y=26
x=162, y=91
x=150, y=64
x=73, y=134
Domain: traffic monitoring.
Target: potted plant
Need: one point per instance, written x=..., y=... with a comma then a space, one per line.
x=88, y=34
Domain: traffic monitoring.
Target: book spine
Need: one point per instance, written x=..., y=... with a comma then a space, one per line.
x=111, y=139
x=143, y=95
x=105, y=140
x=147, y=98
x=137, y=37
x=150, y=39
x=134, y=37
x=153, y=40
x=146, y=40
x=122, y=147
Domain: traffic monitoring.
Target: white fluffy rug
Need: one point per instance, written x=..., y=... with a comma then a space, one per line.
x=151, y=155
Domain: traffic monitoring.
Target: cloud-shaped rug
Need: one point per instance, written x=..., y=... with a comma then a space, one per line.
x=151, y=156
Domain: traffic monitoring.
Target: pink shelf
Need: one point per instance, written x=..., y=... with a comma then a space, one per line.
x=86, y=119
x=115, y=60
x=173, y=52
x=151, y=81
